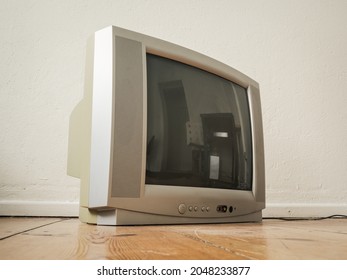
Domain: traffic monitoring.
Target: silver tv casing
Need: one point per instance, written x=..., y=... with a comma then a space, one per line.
x=107, y=140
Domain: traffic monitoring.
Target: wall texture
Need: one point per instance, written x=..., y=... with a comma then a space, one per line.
x=296, y=50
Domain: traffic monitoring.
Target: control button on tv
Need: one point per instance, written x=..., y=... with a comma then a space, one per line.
x=182, y=208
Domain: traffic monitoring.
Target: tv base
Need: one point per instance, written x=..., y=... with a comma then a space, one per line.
x=123, y=217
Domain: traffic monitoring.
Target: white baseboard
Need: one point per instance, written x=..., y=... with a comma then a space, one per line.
x=71, y=209
x=302, y=210
x=39, y=208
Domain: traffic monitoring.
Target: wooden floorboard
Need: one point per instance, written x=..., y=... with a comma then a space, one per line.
x=13, y=226
x=59, y=238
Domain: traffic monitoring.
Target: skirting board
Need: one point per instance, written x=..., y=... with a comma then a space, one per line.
x=39, y=208
x=71, y=209
x=302, y=210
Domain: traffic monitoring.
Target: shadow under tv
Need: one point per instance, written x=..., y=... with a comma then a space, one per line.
x=165, y=135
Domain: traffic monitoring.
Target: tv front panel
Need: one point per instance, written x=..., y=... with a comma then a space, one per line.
x=165, y=135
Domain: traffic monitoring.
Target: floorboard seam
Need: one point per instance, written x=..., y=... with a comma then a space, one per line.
x=30, y=229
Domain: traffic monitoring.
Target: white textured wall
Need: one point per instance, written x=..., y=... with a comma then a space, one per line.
x=295, y=49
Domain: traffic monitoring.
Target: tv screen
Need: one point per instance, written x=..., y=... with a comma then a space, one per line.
x=198, y=128
x=165, y=135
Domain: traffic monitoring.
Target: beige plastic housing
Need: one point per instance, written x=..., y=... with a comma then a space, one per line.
x=107, y=140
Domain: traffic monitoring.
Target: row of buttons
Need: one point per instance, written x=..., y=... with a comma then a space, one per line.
x=182, y=208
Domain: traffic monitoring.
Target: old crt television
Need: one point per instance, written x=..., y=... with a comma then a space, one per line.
x=165, y=135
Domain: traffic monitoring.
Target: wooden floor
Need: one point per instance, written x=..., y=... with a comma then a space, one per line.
x=59, y=238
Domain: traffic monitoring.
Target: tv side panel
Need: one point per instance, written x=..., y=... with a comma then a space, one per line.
x=258, y=145
x=101, y=117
